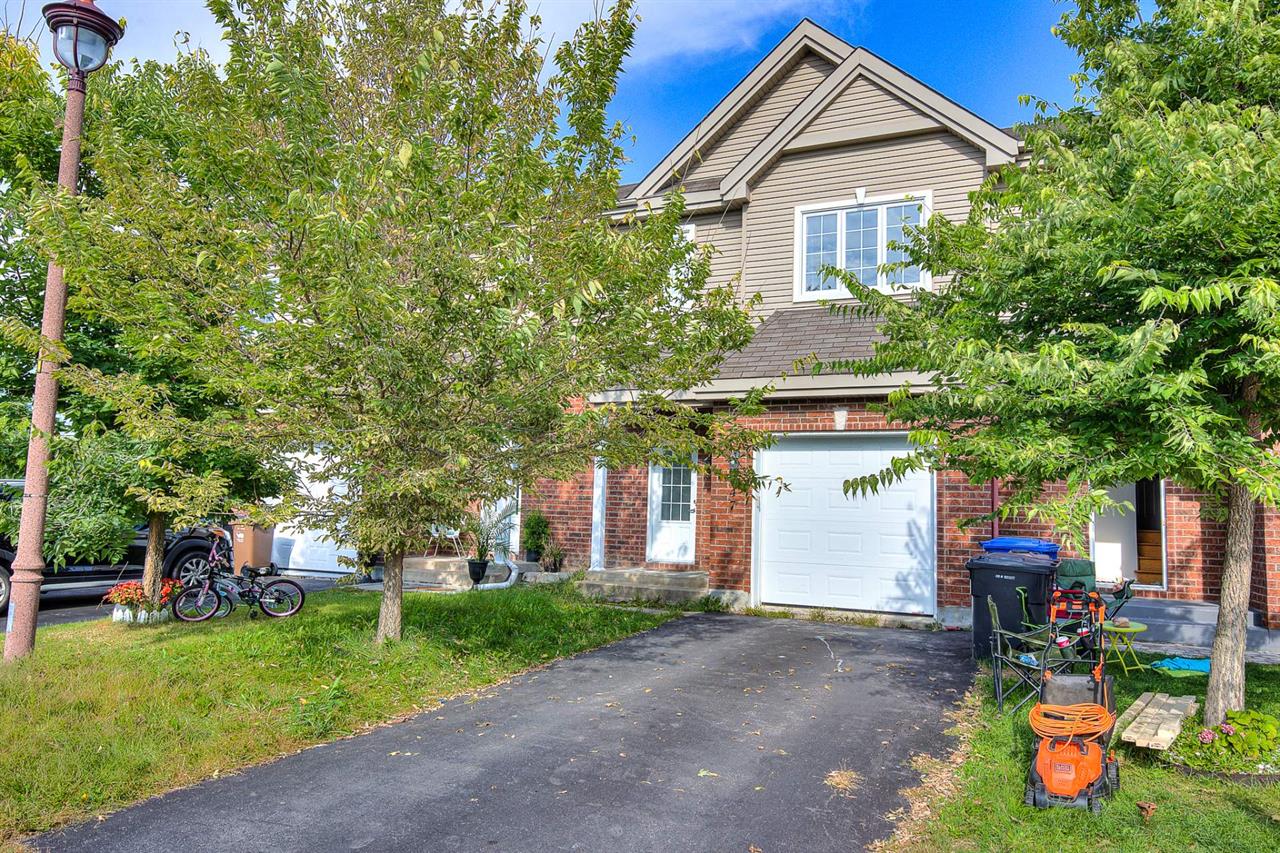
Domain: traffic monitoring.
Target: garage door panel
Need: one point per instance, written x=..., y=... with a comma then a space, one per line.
x=797, y=541
x=845, y=587
x=900, y=501
x=794, y=583
x=798, y=498
x=867, y=553
x=844, y=543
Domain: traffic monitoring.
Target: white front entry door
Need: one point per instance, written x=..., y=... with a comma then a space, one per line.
x=819, y=548
x=673, y=494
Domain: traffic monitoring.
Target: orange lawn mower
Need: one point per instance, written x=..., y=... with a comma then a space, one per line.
x=1073, y=765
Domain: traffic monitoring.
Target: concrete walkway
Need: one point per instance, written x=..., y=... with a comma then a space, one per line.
x=711, y=733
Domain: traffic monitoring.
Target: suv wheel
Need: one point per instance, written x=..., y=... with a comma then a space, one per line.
x=5, y=587
x=189, y=566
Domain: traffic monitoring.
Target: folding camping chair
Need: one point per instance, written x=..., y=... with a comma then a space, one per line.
x=1027, y=655
x=1074, y=573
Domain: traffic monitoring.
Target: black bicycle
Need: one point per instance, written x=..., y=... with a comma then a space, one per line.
x=216, y=589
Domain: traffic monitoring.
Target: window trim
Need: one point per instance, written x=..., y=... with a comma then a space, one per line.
x=799, y=294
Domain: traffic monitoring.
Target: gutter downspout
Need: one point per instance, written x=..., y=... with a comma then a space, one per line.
x=995, y=507
x=512, y=579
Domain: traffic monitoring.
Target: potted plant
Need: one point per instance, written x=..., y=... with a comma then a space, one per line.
x=534, y=535
x=135, y=607
x=552, y=556
x=483, y=536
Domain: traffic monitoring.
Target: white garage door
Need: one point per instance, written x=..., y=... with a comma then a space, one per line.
x=819, y=548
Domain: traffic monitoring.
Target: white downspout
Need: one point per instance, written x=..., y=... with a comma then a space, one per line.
x=512, y=579
x=599, y=482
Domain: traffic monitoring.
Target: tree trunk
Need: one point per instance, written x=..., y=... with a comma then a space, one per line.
x=153, y=562
x=392, y=598
x=1226, y=676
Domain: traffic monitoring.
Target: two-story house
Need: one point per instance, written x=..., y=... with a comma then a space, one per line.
x=822, y=155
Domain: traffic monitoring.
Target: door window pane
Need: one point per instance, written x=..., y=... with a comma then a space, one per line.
x=677, y=493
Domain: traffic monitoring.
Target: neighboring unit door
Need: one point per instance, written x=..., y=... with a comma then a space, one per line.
x=673, y=493
x=819, y=548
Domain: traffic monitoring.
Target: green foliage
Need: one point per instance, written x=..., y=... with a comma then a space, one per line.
x=553, y=555
x=91, y=512
x=102, y=489
x=1108, y=311
x=705, y=604
x=534, y=530
x=382, y=228
x=1248, y=742
x=484, y=534
x=768, y=613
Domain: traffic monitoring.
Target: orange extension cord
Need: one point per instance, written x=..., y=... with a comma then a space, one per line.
x=1087, y=721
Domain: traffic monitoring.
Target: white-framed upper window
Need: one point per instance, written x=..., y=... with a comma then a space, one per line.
x=855, y=236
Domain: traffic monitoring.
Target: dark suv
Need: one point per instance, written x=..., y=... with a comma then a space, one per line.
x=185, y=551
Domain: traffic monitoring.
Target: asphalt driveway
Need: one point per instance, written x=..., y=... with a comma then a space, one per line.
x=711, y=733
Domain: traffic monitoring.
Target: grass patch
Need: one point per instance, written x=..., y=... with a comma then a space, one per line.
x=768, y=613
x=977, y=803
x=706, y=604
x=105, y=714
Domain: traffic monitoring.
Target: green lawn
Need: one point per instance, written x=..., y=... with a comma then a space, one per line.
x=1191, y=813
x=105, y=714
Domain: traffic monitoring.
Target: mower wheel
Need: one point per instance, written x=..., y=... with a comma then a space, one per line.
x=1095, y=805
x=1113, y=776
x=1029, y=795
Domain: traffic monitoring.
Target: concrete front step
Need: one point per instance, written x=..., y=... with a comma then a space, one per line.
x=450, y=573
x=437, y=572
x=1192, y=623
x=646, y=584
x=1197, y=612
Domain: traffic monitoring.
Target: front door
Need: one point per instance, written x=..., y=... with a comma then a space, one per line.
x=673, y=493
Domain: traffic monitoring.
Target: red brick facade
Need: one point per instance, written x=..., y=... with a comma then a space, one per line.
x=723, y=522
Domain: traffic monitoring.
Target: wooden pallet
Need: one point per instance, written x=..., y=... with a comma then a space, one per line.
x=1155, y=719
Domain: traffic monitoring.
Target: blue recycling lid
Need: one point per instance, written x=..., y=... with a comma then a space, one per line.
x=1028, y=544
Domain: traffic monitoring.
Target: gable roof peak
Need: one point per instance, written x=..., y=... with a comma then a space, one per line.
x=805, y=37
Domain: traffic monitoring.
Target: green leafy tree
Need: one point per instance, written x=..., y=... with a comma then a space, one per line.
x=1112, y=308
x=109, y=470
x=382, y=227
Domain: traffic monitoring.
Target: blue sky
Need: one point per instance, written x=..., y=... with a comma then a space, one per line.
x=689, y=53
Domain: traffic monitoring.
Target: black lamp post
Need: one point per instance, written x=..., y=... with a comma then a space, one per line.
x=82, y=39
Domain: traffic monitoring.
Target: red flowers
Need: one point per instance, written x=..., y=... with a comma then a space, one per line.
x=132, y=594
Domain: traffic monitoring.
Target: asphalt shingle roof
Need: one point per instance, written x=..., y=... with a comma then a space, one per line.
x=793, y=333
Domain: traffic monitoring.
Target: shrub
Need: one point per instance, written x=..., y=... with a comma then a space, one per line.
x=535, y=532
x=1248, y=742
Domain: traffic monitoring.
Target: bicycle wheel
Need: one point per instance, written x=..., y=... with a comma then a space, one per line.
x=281, y=598
x=196, y=604
x=226, y=605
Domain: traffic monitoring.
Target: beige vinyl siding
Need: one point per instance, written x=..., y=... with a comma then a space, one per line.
x=861, y=103
x=944, y=164
x=724, y=231
x=760, y=118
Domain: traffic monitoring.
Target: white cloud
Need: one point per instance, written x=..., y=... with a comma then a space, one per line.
x=695, y=29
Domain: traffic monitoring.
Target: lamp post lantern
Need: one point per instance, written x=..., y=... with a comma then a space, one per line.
x=83, y=36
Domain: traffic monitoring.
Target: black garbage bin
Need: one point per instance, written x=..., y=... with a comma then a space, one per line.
x=1000, y=575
